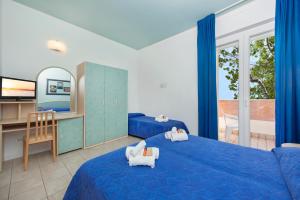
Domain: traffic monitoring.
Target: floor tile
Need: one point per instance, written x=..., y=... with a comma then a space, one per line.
x=73, y=163
x=93, y=152
x=5, y=177
x=57, y=173
x=4, y=192
x=20, y=175
x=72, y=168
x=45, y=158
x=7, y=165
x=18, y=165
x=36, y=193
x=76, y=159
x=50, y=167
x=59, y=195
x=55, y=185
x=25, y=185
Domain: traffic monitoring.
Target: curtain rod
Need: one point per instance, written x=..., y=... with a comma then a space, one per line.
x=228, y=8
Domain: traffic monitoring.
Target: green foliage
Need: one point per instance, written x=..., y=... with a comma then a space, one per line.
x=262, y=68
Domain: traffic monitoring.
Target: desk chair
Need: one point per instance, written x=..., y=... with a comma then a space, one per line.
x=41, y=120
x=232, y=124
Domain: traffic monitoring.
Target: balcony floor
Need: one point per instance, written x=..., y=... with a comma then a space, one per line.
x=257, y=141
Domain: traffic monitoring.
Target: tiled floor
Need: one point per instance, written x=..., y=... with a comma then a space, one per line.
x=46, y=179
x=257, y=141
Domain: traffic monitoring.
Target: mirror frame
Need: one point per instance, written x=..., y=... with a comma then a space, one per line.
x=75, y=89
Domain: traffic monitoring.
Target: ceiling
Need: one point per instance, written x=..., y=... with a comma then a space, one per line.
x=135, y=23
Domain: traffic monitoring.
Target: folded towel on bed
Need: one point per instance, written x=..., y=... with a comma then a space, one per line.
x=176, y=135
x=154, y=151
x=140, y=155
x=168, y=133
x=179, y=137
x=137, y=149
x=161, y=118
x=142, y=160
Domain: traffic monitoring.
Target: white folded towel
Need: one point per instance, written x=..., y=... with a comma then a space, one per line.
x=138, y=148
x=168, y=133
x=176, y=135
x=142, y=160
x=179, y=137
x=161, y=118
x=155, y=152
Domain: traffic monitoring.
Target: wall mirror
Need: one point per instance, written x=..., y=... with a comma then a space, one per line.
x=56, y=90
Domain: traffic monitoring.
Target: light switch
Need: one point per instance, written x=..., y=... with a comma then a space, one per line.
x=163, y=85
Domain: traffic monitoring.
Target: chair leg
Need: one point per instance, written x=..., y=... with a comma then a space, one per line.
x=228, y=132
x=23, y=151
x=53, y=148
x=26, y=148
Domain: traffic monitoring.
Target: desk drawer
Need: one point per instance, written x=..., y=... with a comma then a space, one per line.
x=69, y=135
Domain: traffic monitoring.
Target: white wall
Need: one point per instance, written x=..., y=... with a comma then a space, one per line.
x=25, y=33
x=174, y=62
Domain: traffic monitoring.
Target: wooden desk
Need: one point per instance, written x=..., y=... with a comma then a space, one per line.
x=14, y=125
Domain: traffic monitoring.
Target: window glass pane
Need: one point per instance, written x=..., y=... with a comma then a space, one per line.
x=228, y=93
x=262, y=93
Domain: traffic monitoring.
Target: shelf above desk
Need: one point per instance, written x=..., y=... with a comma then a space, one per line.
x=16, y=109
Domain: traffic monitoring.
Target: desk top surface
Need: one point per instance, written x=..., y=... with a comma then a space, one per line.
x=58, y=116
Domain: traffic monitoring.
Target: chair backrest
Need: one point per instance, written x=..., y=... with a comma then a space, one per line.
x=40, y=120
x=231, y=120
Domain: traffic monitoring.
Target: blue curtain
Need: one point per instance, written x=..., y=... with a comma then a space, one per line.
x=287, y=59
x=207, y=87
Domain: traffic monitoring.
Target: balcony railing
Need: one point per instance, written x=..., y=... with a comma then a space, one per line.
x=262, y=121
x=260, y=109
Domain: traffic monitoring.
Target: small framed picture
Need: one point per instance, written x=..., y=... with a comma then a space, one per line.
x=53, y=88
x=58, y=87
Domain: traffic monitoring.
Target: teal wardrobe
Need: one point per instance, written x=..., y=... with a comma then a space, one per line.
x=102, y=98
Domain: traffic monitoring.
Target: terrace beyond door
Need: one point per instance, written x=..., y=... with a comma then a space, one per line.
x=246, y=87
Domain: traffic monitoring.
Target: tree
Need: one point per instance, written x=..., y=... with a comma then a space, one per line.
x=262, y=80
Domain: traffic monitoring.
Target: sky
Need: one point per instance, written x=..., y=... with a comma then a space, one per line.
x=224, y=92
x=223, y=89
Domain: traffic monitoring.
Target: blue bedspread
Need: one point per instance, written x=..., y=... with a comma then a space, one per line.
x=197, y=169
x=55, y=109
x=144, y=126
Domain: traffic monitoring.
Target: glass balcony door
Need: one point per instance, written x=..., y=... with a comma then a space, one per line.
x=228, y=92
x=245, y=75
x=262, y=91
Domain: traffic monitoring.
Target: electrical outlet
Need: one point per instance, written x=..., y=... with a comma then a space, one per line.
x=163, y=85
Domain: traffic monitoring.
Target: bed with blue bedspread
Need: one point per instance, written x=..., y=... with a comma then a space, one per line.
x=197, y=169
x=57, y=106
x=143, y=126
